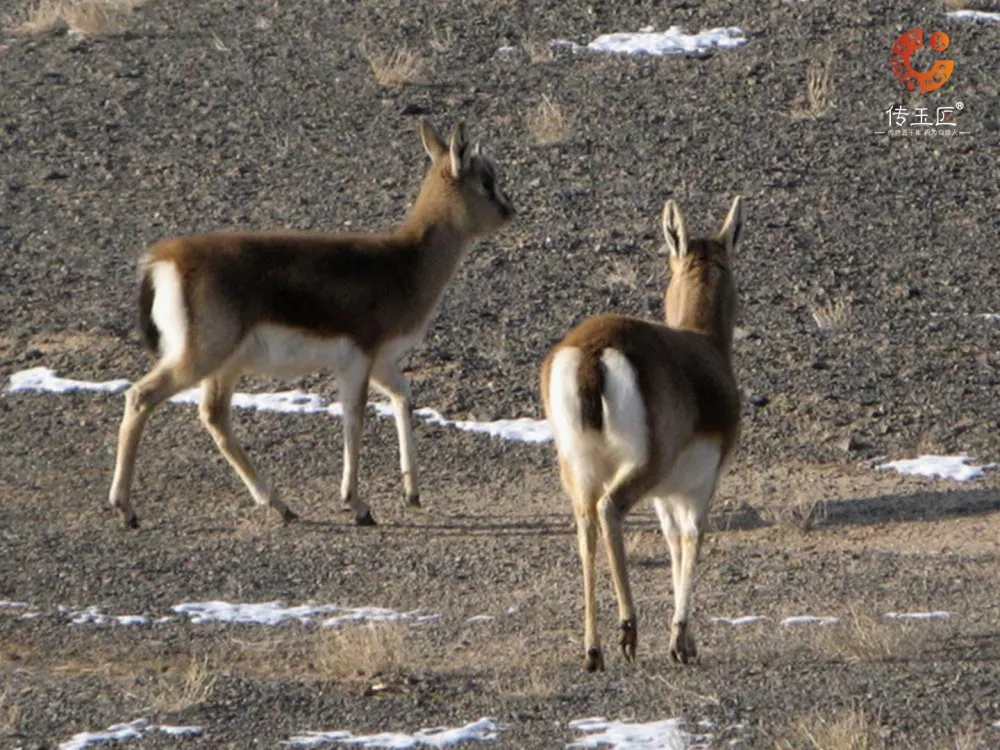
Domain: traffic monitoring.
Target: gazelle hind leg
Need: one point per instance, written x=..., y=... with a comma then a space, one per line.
x=216, y=395
x=387, y=378
x=689, y=516
x=611, y=511
x=140, y=400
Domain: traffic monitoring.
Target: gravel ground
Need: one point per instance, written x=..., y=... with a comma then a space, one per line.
x=247, y=114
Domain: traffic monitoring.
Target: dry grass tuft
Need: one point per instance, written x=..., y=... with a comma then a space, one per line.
x=398, y=68
x=175, y=693
x=954, y=4
x=804, y=515
x=547, y=123
x=831, y=316
x=10, y=713
x=850, y=730
x=360, y=652
x=819, y=89
x=83, y=17
x=622, y=273
x=538, y=51
x=859, y=638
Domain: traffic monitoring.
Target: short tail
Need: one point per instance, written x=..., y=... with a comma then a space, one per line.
x=576, y=385
x=150, y=333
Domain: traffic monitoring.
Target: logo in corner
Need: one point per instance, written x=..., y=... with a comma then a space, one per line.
x=911, y=79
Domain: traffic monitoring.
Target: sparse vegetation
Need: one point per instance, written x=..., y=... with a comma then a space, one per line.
x=538, y=50
x=831, y=316
x=804, y=514
x=547, y=123
x=849, y=730
x=622, y=273
x=360, y=652
x=861, y=638
x=819, y=89
x=177, y=692
x=10, y=712
x=400, y=67
x=83, y=17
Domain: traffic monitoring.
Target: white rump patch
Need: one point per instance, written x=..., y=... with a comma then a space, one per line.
x=564, y=401
x=168, y=313
x=624, y=411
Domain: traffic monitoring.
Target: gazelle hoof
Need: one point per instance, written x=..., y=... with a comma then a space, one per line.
x=288, y=515
x=628, y=639
x=682, y=648
x=594, y=662
x=413, y=500
x=366, y=519
x=131, y=521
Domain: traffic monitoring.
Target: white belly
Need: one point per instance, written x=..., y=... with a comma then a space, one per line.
x=286, y=352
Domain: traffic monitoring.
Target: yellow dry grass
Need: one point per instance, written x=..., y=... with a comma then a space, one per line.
x=83, y=17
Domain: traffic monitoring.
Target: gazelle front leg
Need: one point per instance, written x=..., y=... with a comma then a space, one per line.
x=387, y=378
x=354, y=398
x=216, y=395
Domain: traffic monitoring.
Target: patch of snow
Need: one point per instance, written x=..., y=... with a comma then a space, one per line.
x=919, y=615
x=810, y=620
x=673, y=41
x=175, y=731
x=479, y=618
x=275, y=613
x=4, y=604
x=484, y=729
x=134, y=730
x=974, y=15
x=745, y=620
x=42, y=379
x=623, y=735
x=94, y=616
x=945, y=467
x=131, y=731
x=992, y=317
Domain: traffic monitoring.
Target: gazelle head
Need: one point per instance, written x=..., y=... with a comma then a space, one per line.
x=461, y=185
x=701, y=295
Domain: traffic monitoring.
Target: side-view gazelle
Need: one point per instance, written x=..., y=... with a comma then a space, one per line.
x=640, y=409
x=217, y=306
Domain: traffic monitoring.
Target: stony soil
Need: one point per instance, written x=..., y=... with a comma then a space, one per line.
x=247, y=114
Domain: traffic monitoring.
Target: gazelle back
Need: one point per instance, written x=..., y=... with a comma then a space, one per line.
x=642, y=409
x=217, y=306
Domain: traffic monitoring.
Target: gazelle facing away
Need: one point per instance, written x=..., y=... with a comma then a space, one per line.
x=217, y=306
x=639, y=409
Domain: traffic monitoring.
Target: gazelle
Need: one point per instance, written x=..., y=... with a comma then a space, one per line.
x=217, y=306
x=640, y=409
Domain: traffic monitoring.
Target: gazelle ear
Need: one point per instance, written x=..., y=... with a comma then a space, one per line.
x=732, y=227
x=457, y=148
x=674, y=230
x=433, y=143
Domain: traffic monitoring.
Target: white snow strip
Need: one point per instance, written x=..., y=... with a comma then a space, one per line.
x=810, y=620
x=131, y=731
x=12, y=605
x=94, y=616
x=134, y=730
x=919, y=615
x=992, y=317
x=745, y=620
x=479, y=618
x=175, y=731
x=673, y=41
x=526, y=430
x=623, y=735
x=44, y=379
x=484, y=729
x=275, y=613
x=974, y=15
x=946, y=467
